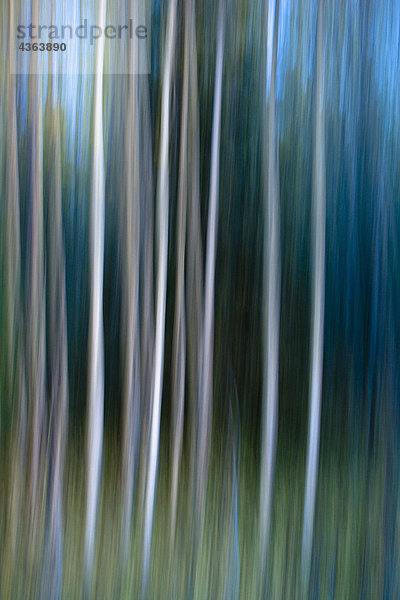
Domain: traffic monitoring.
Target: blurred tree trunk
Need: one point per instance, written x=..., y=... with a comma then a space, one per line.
x=179, y=335
x=131, y=222
x=146, y=286
x=194, y=262
x=271, y=295
x=36, y=311
x=194, y=285
x=95, y=408
x=204, y=424
x=58, y=350
x=161, y=289
x=318, y=301
x=15, y=374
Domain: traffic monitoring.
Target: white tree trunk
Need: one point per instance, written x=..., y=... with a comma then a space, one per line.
x=271, y=301
x=96, y=334
x=318, y=301
x=58, y=350
x=36, y=308
x=179, y=339
x=161, y=289
x=194, y=259
x=16, y=383
x=206, y=382
x=146, y=287
x=131, y=351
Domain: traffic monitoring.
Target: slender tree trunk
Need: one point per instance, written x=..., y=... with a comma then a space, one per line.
x=95, y=408
x=131, y=333
x=272, y=293
x=36, y=307
x=179, y=339
x=318, y=302
x=194, y=289
x=131, y=236
x=15, y=382
x=146, y=286
x=13, y=247
x=161, y=286
x=58, y=351
x=194, y=262
x=206, y=382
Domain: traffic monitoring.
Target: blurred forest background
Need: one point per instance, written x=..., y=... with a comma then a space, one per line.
x=199, y=323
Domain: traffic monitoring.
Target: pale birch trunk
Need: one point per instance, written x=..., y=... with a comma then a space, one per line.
x=318, y=302
x=13, y=247
x=146, y=286
x=271, y=300
x=36, y=310
x=206, y=383
x=131, y=334
x=16, y=384
x=161, y=290
x=179, y=337
x=58, y=352
x=194, y=288
x=95, y=409
x=194, y=262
